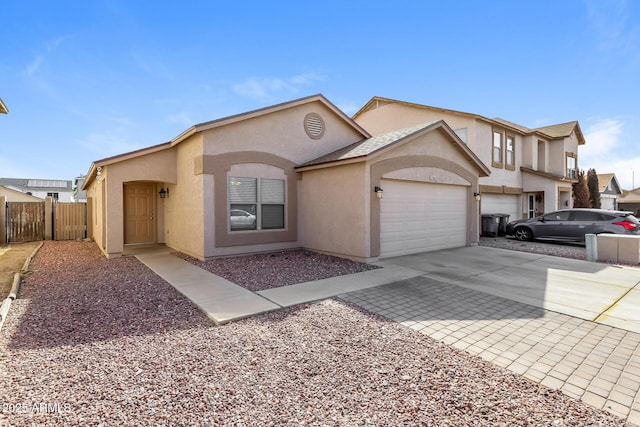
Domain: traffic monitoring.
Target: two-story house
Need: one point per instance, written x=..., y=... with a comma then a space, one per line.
x=531, y=169
x=59, y=190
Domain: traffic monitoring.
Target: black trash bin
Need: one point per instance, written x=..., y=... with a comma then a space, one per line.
x=503, y=220
x=490, y=223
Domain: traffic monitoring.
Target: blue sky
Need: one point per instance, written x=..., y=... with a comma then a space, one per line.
x=84, y=80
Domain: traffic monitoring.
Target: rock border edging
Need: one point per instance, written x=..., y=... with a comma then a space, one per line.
x=15, y=288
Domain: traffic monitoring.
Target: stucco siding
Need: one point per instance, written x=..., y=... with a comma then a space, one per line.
x=395, y=116
x=184, y=225
x=17, y=196
x=434, y=144
x=153, y=167
x=282, y=134
x=431, y=157
x=332, y=210
x=557, y=158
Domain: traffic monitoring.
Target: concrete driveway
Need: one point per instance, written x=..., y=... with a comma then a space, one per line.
x=597, y=292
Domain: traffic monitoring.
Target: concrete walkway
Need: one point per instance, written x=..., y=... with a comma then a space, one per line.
x=223, y=301
x=569, y=325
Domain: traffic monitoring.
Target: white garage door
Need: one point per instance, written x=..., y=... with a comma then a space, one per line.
x=502, y=204
x=418, y=217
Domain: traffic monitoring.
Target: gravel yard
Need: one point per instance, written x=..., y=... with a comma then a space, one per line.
x=281, y=268
x=95, y=342
x=554, y=249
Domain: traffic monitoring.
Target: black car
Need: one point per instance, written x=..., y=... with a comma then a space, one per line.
x=573, y=224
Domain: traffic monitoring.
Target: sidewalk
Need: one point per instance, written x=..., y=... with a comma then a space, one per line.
x=223, y=301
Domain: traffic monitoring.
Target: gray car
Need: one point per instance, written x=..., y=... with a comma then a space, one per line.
x=573, y=224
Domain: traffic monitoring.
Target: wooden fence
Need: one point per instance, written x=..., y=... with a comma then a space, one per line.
x=32, y=221
x=69, y=221
x=25, y=221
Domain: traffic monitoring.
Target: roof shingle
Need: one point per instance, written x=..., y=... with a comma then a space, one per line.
x=369, y=145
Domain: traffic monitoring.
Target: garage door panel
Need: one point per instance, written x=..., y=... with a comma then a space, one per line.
x=502, y=204
x=418, y=217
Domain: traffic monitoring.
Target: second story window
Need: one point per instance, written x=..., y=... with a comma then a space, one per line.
x=497, y=149
x=510, y=154
x=571, y=166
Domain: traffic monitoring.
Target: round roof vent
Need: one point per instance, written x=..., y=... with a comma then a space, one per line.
x=314, y=125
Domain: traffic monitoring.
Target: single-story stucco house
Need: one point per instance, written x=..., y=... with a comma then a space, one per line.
x=630, y=201
x=297, y=174
x=12, y=195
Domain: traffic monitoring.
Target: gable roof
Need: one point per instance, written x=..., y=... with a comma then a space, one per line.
x=8, y=190
x=269, y=110
x=378, y=101
x=605, y=178
x=359, y=151
x=630, y=196
x=563, y=130
x=219, y=123
x=550, y=132
x=3, y=108
x=521, y=128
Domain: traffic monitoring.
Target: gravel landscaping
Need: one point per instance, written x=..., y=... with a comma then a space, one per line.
x=575, y=251
x=281, y=268
x=97, y=342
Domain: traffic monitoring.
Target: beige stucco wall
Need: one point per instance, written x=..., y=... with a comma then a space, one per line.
x=339, y=212
x=95, y=193
x=418, y=158
x=333, y=210
x=261, y=147
x=282, y=133
x=394, y=116
x=557, y=154
x=556, y=193
x=156, y=167
x=184, y=228
x=479, y=135
x=17, y=196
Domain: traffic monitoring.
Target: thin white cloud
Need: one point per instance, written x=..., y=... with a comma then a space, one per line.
x=602, y=152
x=109, y=142
x=349, y=108
x=307, y=79
x=611, y=25
x=601, y=138
x=34, y=66
x=50, y=46
x=152, y=64
x=269, y=87
x=182, y=118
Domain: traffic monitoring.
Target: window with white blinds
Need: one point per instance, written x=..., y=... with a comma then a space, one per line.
x=243, y=190
x=256, y=203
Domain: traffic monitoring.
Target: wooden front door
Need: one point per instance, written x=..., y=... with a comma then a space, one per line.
x=139, y=213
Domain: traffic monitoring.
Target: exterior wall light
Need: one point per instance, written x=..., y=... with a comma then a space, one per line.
x=378, y=191
x=476, y=196
x=99, y=174
x=163, y=193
